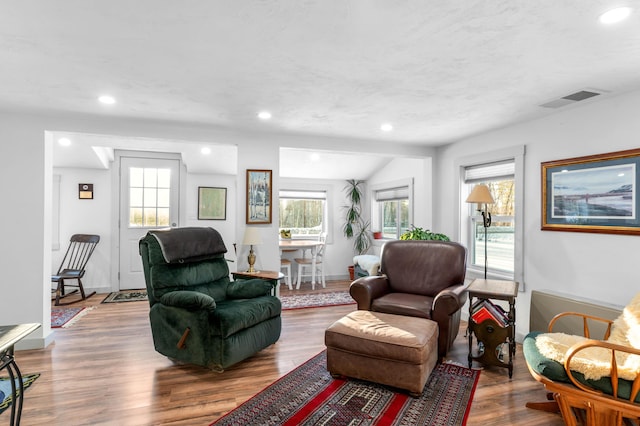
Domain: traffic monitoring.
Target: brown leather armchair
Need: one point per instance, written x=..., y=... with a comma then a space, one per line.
x=420, y=279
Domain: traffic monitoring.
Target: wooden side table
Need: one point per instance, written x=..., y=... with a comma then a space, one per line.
x=273, y=277
x=9, y=336
x=489, y=334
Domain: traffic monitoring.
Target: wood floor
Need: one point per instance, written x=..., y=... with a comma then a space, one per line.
x=103, y=370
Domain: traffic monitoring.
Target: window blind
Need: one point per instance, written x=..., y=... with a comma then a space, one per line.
x=490, y=171
x=303, y=195
x=389, y=194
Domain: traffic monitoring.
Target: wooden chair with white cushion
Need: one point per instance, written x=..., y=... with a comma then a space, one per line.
x=591, y=382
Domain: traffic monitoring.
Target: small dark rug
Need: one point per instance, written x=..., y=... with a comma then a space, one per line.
x=309, y=395
x=6, y=399
x=316, y=300
x=126, y=296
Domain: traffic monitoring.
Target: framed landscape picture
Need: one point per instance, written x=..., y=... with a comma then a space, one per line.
x=597, y=193
x=212, y=203
x=258, y=196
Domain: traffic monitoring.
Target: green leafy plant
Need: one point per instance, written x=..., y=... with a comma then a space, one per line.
x=421, y=234
x=355, y=227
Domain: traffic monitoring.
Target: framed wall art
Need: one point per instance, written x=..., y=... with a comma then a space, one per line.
x=597, y=193
x=85, y=191
x=212, y=203
x=258, y=196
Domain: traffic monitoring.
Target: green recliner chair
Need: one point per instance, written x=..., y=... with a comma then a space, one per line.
x=197, y=314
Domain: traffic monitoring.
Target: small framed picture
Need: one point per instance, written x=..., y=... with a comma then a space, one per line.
x=85, y=191
x=212, y=203
x=258, y=196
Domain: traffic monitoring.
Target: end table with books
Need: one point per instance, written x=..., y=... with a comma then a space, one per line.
x=490, y=324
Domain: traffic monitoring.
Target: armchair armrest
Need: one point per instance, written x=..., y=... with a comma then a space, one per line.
x=189, y=300
x=616, y=373
x=248, y=289
x=365, y=289
x=585, y=322
x=450, y=299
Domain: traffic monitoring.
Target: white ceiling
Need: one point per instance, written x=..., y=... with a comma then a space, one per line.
x=438, y=71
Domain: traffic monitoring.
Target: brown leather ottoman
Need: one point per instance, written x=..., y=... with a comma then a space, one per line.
x=394, y=350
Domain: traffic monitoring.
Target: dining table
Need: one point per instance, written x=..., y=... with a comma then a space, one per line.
x=303, y=245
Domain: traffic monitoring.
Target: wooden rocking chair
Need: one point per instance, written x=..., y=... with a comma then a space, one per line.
x=72, y=267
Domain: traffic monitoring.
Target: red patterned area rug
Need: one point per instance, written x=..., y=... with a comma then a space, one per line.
x=316, y=300
x=65, y=317
x=310, y=396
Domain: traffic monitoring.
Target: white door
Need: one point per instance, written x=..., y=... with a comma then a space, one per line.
x=149, y=199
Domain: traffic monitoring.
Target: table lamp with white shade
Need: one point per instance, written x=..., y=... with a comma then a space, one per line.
x=251, y=238
x=482, y=196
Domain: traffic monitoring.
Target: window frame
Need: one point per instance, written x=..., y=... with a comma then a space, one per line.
x=377, y=208
x=515, y=154
x=326, y=216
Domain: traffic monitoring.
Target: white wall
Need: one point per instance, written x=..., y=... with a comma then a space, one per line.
x=227, y=227
x=601, y=267
x=86, y=217
x=26, y=194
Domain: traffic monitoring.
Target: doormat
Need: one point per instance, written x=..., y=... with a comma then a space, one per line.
x=316, y=300
x=309, y=395
x=126, y=296
x=6, y=398
x=66, y=317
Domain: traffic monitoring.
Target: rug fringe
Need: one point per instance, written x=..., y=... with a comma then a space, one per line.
x=79, y=315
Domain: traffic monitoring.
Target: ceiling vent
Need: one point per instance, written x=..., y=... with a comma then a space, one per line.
x=571, y=99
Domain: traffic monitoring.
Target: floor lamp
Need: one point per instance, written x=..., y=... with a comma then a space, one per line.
x=481, y=195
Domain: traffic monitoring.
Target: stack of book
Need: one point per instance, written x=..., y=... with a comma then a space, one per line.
x=484, y=309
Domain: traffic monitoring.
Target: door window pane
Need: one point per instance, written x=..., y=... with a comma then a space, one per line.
x=163, y=217
x=163, y=197
x=136, y=176
x=150, y=177
x=164, y=178
x=149, y=197
x=135, y=197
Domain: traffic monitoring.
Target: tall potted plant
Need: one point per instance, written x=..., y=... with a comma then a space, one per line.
x=355, y=226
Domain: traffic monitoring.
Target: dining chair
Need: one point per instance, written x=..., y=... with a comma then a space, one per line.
x=305, y=265
x=285, y=267
x=73, y=267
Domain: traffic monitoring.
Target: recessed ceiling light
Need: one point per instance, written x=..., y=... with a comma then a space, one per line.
x=314, y=156
x=386, y=127
x=264, y=115
x=64, y=141
x=107, y=100
x=615, y=15
x=206, y=150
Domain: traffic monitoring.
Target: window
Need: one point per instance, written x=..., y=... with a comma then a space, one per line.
x=392, y=210
x=149, y=196
x=500, y=236
x=303, y=212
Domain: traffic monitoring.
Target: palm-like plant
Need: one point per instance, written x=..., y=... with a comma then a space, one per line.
x=355, y=226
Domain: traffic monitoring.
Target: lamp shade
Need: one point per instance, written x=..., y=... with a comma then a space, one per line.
x=480, y=195
x=252, y=237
